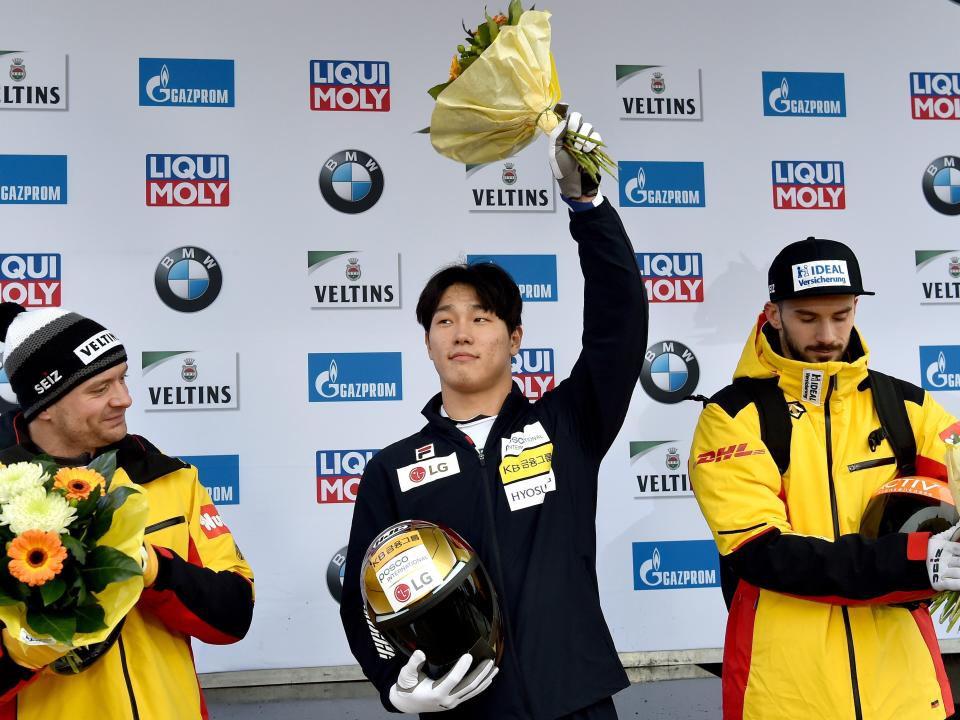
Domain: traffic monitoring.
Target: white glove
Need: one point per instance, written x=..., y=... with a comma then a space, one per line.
x=414, y=692
x=943, y=560
x=573, y=182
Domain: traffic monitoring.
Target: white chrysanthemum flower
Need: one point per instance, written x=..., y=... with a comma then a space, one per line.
x=34, y=509
x=16, y=478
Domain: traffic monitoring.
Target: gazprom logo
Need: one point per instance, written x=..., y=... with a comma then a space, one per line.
x=661, y=184
x=940, y=367
x=183, y=82
x=220, y=475
x=354, y=377
x=535, y=275
x=804, y=94
x=33, y=179
x=672, y=565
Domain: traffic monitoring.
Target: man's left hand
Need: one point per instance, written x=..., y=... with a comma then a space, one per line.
x=574, y=183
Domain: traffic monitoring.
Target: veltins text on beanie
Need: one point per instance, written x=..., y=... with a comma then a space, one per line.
x=48, y=352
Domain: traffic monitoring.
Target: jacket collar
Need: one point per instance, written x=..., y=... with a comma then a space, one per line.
x=515, y=401
x=799, y=379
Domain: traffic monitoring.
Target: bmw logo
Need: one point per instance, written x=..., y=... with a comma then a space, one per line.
x=941, y=185
x=188, y=279
x=351, y=181
x=670, y=371
x=335, y=573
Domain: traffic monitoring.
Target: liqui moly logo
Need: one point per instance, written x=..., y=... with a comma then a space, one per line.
x=672, y=277
x=935, y=96
x=533, y=373
x=188, y=180
x=360, y=85
x=338, y=474
x=31, y=280
x=808, y=185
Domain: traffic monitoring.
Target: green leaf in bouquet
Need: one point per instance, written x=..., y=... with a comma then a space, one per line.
x=106, y=565
x=59, y=625
x=86, y=507
x=437, y=89
x=514, y=13
x=423, y=131
x=467, y=63
x=483, y=36
x=493, y=29
x=52, y=590
x=90, y=618
x=106, y=506
x=79, y=590
x=106, y=465
x=75, y=548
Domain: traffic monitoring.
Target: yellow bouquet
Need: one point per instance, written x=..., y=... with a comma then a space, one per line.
x=502, y=89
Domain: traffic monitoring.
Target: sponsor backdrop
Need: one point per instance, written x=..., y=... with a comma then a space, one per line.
x=239, y=192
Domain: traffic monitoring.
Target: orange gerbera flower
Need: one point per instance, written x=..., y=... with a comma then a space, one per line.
x=454, y=68
x=36, y=557
x=78, y=482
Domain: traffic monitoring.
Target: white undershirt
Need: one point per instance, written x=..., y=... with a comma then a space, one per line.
x=477, y=429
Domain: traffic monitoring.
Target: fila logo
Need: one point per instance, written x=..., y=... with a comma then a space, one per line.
x=425, y=453
x=211, y=522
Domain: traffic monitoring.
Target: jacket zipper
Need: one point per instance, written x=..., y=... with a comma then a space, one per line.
x=126, y=679
x=495, y=546
x=879, y=462
x=855, y=685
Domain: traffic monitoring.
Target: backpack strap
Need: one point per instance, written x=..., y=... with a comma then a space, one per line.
x=776, y=427
x=894, y=422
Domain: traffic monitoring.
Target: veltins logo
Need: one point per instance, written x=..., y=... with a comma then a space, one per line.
x=532, y=370
x=808, y=185
x=188, y=279
x=941, y=185
x=660, y=92
x=804, y=94
x=188, y=180
x=342, y=279
x=182, y=82
x=190, y=379
x=670, y=371
x=535, y=275
x=351, y=181
x=220, y=475
x=935, y=96
x=675, y=564
x=939, y=274
x=354, y=377
x=33, y=179
x=32, y=80
x=361, y=85
x=661, y=184
x=519, y=184
x=661, y=469
x=940, y=367
x=338, y=474
x=672, y=277
x=30, y=279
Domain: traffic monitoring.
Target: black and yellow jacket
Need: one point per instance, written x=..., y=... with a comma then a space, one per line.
x=813, y=631
x=204, y=589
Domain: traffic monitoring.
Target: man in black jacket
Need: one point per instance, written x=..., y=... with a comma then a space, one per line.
x=536, y=536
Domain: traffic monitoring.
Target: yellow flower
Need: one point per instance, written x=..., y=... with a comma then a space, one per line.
x=454, y=69
x=78, y=482
x=36, y=557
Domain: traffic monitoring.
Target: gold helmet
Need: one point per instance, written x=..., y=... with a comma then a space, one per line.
x=424, y=588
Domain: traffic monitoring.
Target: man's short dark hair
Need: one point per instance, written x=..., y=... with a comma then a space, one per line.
x=497, y=291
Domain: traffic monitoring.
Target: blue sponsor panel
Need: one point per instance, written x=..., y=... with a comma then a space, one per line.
x=940, y=367
x=675, y=564
x=354, y=377
x=655, y=183
x=220, y=475
x=184, y=82
x=804, y=94
x=535, y=275
x=33, y=179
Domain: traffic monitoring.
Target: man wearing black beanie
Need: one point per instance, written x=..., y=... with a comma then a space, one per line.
x=68, y=375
